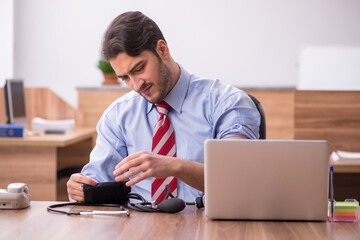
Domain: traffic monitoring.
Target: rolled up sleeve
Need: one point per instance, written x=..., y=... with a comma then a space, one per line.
x=237, y=116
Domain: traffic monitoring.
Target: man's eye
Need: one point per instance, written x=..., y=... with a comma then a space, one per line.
x=125, y=78
x=139, y=69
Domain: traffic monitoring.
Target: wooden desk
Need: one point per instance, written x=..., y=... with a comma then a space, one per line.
x=36, y=223
x=35, y=160
x=346, y=166
x=346, y=179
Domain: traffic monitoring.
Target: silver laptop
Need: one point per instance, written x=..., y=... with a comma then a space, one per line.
x=266, y=179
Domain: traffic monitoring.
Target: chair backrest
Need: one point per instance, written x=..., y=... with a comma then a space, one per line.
x=262, y=130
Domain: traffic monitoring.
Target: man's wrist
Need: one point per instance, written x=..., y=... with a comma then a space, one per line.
x=177, y=167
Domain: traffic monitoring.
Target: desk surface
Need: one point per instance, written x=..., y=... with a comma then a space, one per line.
x=57, y=140
x=348, y=166
x=36, y=223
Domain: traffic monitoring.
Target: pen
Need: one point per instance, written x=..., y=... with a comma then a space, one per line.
x=331, y=192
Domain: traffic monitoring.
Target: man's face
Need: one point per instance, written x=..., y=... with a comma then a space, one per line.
x=146, y=74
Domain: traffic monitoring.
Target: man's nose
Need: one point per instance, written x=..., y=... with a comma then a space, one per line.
x=137, y=83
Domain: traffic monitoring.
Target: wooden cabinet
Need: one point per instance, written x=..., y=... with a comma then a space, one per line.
x=93, y=101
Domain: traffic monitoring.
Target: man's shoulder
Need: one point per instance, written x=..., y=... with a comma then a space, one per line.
x=201, y=84
x=124, y=103
x=211, y=86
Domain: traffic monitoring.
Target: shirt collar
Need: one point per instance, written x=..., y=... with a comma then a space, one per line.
x=177, y=95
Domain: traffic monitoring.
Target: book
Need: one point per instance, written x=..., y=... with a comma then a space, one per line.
x=345, y=156
x=12, y=130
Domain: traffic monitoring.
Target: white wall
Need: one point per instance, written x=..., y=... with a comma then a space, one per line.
x=329, y=68
x=245, y=43
x=6, y=40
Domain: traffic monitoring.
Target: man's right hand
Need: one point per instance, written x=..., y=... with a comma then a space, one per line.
x=74, y=186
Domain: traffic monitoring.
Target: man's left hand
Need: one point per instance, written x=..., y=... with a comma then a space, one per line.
x=148, y=164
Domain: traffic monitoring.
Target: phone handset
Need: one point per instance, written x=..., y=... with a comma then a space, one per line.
x=16, y=196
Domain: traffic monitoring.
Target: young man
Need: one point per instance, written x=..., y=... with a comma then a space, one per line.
x=128, y=145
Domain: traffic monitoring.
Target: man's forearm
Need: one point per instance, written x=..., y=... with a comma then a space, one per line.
x=192, y=173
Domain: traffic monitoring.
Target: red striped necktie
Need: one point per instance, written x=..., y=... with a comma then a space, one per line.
x=163, y=144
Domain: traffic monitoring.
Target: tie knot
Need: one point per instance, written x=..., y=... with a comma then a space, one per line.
x=163, y=107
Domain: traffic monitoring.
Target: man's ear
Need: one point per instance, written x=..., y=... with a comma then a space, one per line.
x=162, y=49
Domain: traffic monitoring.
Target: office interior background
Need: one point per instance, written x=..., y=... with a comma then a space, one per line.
x=268, y=47
x=309, y=44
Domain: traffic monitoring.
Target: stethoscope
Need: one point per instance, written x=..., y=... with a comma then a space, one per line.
x=122, y=210
x=169, y=205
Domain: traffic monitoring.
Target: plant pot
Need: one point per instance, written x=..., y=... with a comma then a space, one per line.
x=110, y=79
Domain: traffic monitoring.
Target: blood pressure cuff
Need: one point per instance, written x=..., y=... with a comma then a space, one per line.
x=106, y=192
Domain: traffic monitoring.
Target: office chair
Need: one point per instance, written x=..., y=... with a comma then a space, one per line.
x=257, y=103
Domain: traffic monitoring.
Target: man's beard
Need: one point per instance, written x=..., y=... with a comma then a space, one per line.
x=164, y=84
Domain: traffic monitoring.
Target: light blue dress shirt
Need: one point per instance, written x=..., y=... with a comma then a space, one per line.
x=201, y=109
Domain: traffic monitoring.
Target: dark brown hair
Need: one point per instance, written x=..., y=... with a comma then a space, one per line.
x=132, y=33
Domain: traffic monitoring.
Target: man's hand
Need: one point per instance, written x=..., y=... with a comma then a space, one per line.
x=74, y=186
x=148, y=164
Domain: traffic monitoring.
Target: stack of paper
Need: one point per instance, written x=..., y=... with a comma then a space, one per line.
x=346, y=211
x=40, y=124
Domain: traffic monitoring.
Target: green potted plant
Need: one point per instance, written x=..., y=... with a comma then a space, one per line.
x=110, y=77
